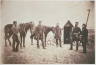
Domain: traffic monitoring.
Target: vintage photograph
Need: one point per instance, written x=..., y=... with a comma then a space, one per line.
x=47, y=32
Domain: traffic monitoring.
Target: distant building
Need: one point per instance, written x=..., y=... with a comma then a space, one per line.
x=67, y=29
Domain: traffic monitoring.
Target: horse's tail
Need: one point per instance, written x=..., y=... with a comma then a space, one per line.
x=5, y=32
x=8, y=31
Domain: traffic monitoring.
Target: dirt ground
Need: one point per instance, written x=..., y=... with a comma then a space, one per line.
x=51, y=55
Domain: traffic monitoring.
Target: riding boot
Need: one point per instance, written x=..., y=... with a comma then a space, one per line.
x=60, y=42
x=57, y=42
x=13, y=46
x=17, y=45
x=38, y=42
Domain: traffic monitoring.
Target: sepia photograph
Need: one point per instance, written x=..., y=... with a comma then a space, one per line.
x=47, y=32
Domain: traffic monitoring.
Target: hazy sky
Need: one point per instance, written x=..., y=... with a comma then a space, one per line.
x=50, y=12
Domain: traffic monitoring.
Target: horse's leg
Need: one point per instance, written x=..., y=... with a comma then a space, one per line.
x=45, y=41
x=24, y=41
x=71, y=45
x=76, y=45
x=37, y=42
x=5, y=42
x=9, y=41
x=31, y=37
x=21, y=40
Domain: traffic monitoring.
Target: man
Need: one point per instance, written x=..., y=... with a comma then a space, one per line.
x=75, y=34
x=57, y=34
x=39, y=34
x=84, y=37
x=15, y=31
x=32, y=31
x=71, y=43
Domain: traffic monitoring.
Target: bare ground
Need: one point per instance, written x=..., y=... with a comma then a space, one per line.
x=51, y=55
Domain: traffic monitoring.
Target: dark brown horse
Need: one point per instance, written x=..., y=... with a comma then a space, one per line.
x=8, y=33
x=23, y=28
x=46, y=30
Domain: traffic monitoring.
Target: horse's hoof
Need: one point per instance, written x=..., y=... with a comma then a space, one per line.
x=24, y=46
x=10, y=45
x=5, y=45
x=20, y=46
x=38, y=47
x=44, y=48
x=32, y=44
x=13, y=50
x=71, y=49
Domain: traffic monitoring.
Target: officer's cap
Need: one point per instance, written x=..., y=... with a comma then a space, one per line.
x=84, y=25
x=14, y=22
x=40, y=21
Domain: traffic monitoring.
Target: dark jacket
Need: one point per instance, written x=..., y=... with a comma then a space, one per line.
x=39, y=31
x=75, y=33
x=84, y=34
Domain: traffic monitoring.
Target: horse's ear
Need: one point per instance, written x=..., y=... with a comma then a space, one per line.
x=52, y=27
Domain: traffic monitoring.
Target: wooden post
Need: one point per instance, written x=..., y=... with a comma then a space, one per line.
x=87, y=17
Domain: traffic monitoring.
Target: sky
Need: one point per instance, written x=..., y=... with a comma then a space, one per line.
x=49, y=12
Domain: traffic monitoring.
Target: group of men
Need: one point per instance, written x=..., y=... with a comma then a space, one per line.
x=75, y=35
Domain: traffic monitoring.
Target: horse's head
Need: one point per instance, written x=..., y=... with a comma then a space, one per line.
x=31, y=25
x=28, y=25
x=52, y=29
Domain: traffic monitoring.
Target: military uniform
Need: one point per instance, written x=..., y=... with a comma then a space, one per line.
x=15, y=31
x=57, y=32
x=75, y=35
x=84, y=38
x=39, y=35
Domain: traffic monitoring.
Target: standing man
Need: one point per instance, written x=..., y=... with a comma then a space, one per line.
x=71, y=42
x=39, y=34
x=32, y=31
x=75, y=34
x=15, y=31
x=84, y=37
x=57, y=34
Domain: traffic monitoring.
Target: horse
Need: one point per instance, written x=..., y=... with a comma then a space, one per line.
x=8, y=33
x=46, y=30
x=23, y=28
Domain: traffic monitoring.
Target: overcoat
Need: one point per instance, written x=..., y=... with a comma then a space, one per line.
x=57, y=32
